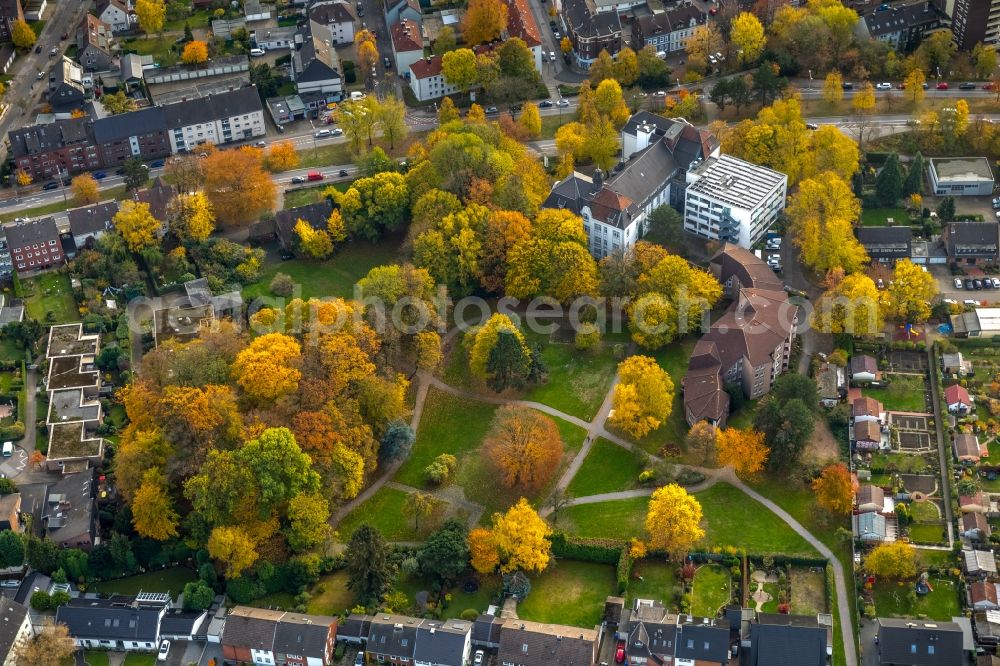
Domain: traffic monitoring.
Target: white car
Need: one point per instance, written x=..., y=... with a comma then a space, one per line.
x=322, y=133
x=883, y=86
x=164, y=651
x=996, y=282
x=336, y=131
x=359, y=659
x=562, y=102
x=958, y=283
x=479, y=659
x=256, y=53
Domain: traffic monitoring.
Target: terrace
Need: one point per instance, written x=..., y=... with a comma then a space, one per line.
x=69, y=340
x=72, y=372
x=70, y=406
x=68, y=442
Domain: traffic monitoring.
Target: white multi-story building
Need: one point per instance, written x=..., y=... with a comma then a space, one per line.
x=407, y=43
x=733, y=201
x=427, y=80
x=236, y=115
x=333, y=20
x=615, y=206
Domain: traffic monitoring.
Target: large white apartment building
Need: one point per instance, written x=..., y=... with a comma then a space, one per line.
x=232, y=116
x=730, y=200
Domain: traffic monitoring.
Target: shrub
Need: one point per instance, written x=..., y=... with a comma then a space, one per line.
x=585, y=340
x=469, y=614
x=282, y=285
x=442, y=467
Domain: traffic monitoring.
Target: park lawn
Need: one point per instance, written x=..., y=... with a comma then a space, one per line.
x=50, y=292
x=674, y=359
x=730, y=518
x=170, y=580
x=384, y=510
x=335, y=598
x=891, y=600
x=139, y=659
x=449, y=424
x=878, y=217
x=570, y=593
x=808, y=591
x=928, y=533
x=607, y=468
x=96, y=658
x=577, y=381
x=332, y=277
x=904, y=394
x=711, y=589
x=652, y=580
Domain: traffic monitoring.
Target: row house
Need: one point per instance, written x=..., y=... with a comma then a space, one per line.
x=427, y=79
x=74, y=386
x=667, y=31
x=67, y=147
x=10, y=12
x=16, y=629
x=34, y=244
x=95, y=44
x=886, y=245
x=117, y=14
x=118, y=623
x=407, y=43
x=900, y=642
x=397, y=639
x=972, y=243
x=260, y=636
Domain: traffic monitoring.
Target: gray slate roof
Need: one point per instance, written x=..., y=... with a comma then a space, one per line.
x=111, y=619
x=892, y=241
x=12, y=615
x=66, y=522
x=586, y=23
x=29, y=232
x=43, y=138
x=124, y=125
x=92, y=219
x=702, y=642
x=393, y=636
x=786, y=640
x=910, y=642
x=207, y=109
x=442, y=642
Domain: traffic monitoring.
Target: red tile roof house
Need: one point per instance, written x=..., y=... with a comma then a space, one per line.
x=867, y=409
x=975, y=527
x=983, y=596
x=978, y=503
x=864, y=369
x=872, y=498
x=957, y=399
x=966, y=448
x=867, y=435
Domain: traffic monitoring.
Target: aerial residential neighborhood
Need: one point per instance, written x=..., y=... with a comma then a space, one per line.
x=499, y=333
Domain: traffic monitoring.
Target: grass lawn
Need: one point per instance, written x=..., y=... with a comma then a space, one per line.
x=165, y=580
x=196, y=19
x=729, y=519
x=334, y=598
x=50, y=292
x=461, y=600
x=570, y=593
x=333, y=277
x=384, y=510
x=449, y=425
x=925, y=512
x=930, y=558
x=878, y=217
x=158, y=47
x=892, y=600
x=808, y=591
x=9, y=350
x=904, y=394
x=95, y=658
x=711, y=590
x=652, y=580
x=742, y=418
x=607, y=468
x=139, y=659
x=577, y=381
x=277, y=600
x=928, y=533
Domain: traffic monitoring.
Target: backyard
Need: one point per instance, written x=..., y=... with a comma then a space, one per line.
x=905, y=393
x=569, y=592
x=49, y=298
x=894, y=599
x=711, y=589
x=652, y=580
x=170, y=580
x=879, y=217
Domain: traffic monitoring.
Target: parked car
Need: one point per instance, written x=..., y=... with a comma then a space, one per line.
x=996, y=282
x=100, y=175
x=54, y=50
x=492, y=111
x=359, y=660
x=977, y=284
x=38, y=49
x=967, y=86
x=479, y=659
x=386, y=62
x=620, y=653
x=261, y=144
x=968, y=283
x=958, y=283
x=322, y=133
x=545, y=104
x=164, y=651
x=812, y=126
x=989, y=86
x=298, y=180
x=883, y=86
x=336, y=131
x=156, y=164
x=847, y=85
x=51, y=185
x=64, y=36
x=942, y=86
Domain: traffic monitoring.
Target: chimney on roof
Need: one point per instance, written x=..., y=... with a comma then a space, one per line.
x=598, y=179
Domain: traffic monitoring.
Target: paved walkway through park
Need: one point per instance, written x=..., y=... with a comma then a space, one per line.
x=595, y=428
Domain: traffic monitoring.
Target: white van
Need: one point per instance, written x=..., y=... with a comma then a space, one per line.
x=256, y=53
x=8, y=449
x=357, y=96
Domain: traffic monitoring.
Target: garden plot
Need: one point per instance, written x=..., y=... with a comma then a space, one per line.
x=920, y=483
x=908, y=361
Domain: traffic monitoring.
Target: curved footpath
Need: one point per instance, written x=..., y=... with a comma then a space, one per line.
x=595, y=429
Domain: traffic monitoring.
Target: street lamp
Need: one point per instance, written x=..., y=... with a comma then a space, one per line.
x=810, y=79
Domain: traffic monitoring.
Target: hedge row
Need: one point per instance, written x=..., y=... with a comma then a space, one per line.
x=602, y=551
x=624, y=570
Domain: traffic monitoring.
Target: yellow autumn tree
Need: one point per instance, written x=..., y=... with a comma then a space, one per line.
x=484, y=339
x=833, y=87
x=910, y=292
x=530, y=121
x=195, y=219
x=747, y=34
x=195, y=53
x=85, y=189
x=315, y=243
x=822, y=214
x=835, y=488
x=852, y=306
x=518, y=541
x=281, y=156
x=22, y=35
x=268, y=367
x=643, y=397
x=136, y=225
x=673, y=521
x=745, y=450
x=151, y=15
x=335, y=227
x=892, y=560
x=234, y=548
x=153, y=513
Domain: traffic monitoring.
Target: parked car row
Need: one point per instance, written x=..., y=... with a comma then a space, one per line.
x=970, y=284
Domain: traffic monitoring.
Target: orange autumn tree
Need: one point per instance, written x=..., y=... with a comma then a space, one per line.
x=835, y=488
x=745, y=450
x=523, y=447
x=268, y=368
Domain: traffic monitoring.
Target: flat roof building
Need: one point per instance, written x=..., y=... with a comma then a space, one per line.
x=960, y=176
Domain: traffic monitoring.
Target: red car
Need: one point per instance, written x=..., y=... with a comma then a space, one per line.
x=989, y=86
x=620, y=653
x=314, y=175
x=942, y=86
